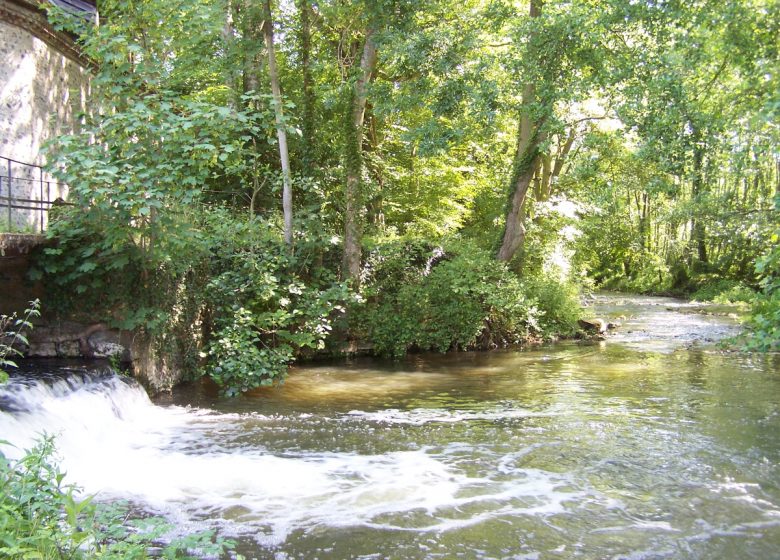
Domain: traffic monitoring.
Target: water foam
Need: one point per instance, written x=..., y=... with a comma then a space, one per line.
x=421, y=416
x=117, y=444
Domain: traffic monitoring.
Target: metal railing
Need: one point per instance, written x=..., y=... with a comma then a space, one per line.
x=27, y=192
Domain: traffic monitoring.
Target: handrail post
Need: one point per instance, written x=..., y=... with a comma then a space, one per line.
x=40, y=204
x=8, y=200
x=10, y=196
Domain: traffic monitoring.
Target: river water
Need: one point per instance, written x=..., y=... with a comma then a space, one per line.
x=651, y=444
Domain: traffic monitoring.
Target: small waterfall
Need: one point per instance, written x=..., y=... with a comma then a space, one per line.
x=204, y=469
x=563, y=451
x=84, y=410
x=28, y=394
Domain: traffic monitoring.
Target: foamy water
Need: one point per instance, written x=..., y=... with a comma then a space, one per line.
x=114, y=443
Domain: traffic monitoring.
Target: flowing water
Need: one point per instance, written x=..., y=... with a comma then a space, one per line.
x=651, y=444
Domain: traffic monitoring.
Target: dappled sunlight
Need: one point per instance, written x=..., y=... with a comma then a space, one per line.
x=40, y=98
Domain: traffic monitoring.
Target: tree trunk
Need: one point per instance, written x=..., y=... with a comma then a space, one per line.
x=514, y=228
x=644, y=230
x=354, y=162
x=524, y=165
x=307, y=113
x=250, y=47
x=698, y=228
x=229, y=40
x=552, y=167
x=281, y=132
x=544, y=179
x=777, y=177
x=562, y=154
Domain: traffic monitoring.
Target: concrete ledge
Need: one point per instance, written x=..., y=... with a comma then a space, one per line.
x=12, y=244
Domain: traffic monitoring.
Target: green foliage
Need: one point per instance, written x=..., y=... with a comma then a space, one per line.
x=33, y=506
x=420, y=296
x=723, y=290
x=765, y=317
x=267, y=304
x=231, y=294
x=690, y=176
x=764, y=323
x=43, y=517
x=142, y=247
x=649, y=274
x=134, y=178
x=557, y=303
x=240, y=360
x=175, y=225
x=12, y=329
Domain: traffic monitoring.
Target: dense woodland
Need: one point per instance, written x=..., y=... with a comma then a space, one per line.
x=260, y=181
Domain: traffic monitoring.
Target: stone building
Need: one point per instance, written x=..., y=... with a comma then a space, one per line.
x=44, y=84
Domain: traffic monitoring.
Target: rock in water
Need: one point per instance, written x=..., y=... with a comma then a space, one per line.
x=593, y=325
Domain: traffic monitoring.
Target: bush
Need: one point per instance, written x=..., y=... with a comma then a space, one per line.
x=228, y=291
x=764, y=324
x=648, y=274
x=558, y=305
x=265, y=303
x=764, y=321
x=723, y=291
x=420, y=296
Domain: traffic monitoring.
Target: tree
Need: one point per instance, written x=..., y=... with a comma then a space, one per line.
x=698, y=107
x=559, y=54
x=281, y=131
x=307, y=85
x=353, y=158
x=530, y=137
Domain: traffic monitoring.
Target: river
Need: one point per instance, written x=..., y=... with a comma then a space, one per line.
x=651, y=444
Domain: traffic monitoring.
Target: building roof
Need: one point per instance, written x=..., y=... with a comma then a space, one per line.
x=77, y=6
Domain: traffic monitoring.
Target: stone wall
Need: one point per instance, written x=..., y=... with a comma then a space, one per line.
x=58, y=337
x=41, y=93
x=16, y=290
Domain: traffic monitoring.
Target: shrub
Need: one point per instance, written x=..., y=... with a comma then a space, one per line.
x=648, y=274
x=723, y=290
x=266, y=305
x=229, y=291
x=420, y=296
x=558, y=305
x=764, y=321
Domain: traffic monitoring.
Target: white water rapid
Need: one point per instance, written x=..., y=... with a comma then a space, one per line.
x=196, y=468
